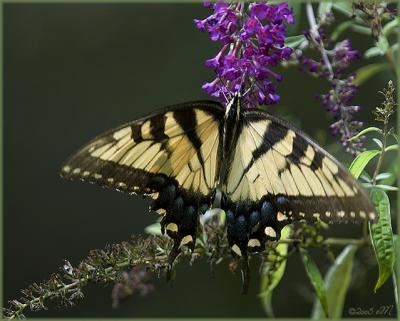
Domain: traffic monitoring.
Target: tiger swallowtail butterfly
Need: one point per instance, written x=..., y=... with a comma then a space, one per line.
x=191, y=157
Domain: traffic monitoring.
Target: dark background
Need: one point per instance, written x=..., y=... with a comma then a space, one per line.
x=73, y=71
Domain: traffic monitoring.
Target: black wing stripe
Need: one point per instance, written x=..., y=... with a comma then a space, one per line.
x=137, y=133
x=271, y=136
x=157, y=128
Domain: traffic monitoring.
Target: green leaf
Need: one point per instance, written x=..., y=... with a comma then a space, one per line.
x=394, y=48
x=366, y=72
x=362, y=160
x=378, y=142
x=344, y=7
x=392, y=147
x=153, y=229
x=382, y=237
x=342, y=27
x=364, y=131
x=316, y=280
x=387, y=187
x=373, y=52
x=294, y=41
x=382, y=43
x=383, y=176
x=273, y=270
x=396, y=137
x=394, y=169
x=323, y=9
x=361, y=29
x=388, y=28
x=337, y=281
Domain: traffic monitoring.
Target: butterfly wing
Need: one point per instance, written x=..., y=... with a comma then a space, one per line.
x=278, y=174
x=279, y=161
x=172, y=155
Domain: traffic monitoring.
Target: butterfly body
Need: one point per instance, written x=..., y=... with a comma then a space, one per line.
x=191, y=157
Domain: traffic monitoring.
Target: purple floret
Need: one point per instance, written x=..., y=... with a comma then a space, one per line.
x=253, y=42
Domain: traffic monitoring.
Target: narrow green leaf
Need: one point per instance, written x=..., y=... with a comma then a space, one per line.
x=388, y=28
x=361, y=29
x=394, y=48
x=364, y=131
x=273, y=270
x=382, y=43
x=366, y=72
x=394, y=169
x=392, y=147
x=382, y=237
x=373, y=52
x=153, y=229
x=387, y=187
x=294, y=41
x=316, y=280
x=378, y=142
x=344, y=7
x=362, y=160
x=324, y=8
x=383, y=176
x=342, y=27
x=337, y=281
x=396, y=137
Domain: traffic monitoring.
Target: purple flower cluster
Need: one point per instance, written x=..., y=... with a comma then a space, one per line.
x=338, y=100
x=252, y=40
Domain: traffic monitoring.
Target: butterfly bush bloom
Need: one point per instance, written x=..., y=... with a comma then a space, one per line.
x=252, y=38
x=338, y=99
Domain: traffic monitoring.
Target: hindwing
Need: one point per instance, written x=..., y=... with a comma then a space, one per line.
x=275, y=161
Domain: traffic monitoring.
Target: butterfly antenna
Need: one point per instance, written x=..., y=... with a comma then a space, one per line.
x=227, y=100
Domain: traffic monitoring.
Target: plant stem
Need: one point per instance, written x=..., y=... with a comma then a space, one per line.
x=382, y=153
x=317, y=38
x=315, y=35
x=332, y=241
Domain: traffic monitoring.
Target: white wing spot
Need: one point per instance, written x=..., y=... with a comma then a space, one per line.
x=121, y=184
x=281, y=217
x=172, y=227
x=341, y=214
x=253, y=243
x=185, y=240
x=76, y=170
x=269, y=231
x=67, y=169
x=236, y=249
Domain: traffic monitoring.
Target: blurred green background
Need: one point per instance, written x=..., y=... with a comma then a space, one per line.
x=75, y=70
